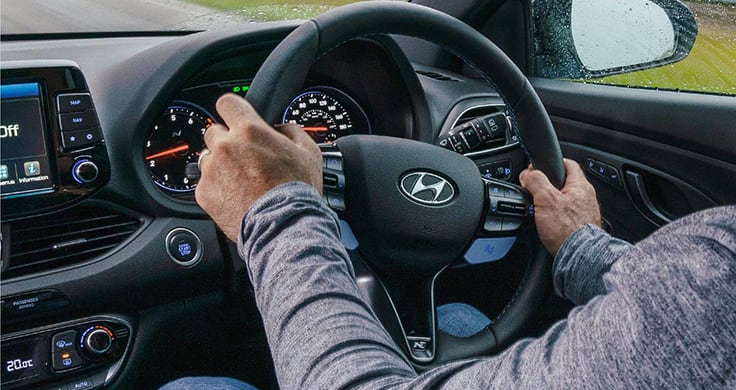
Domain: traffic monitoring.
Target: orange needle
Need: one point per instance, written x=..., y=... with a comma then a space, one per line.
x=316, y=128
x=168, y=151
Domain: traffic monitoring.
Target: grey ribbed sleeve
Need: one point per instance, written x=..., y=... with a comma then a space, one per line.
x=659, y=314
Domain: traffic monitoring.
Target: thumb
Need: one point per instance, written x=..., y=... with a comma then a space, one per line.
x=536, y=182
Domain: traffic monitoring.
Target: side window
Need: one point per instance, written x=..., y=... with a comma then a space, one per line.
x=660, y=44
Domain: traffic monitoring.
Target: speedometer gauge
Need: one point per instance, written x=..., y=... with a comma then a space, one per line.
x=175, y=141
x=326, y=114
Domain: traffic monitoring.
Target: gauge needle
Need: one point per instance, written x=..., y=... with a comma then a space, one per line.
x=168, y=151
x=315, y=128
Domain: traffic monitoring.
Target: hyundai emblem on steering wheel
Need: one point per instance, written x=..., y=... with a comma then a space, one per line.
x=427, y=188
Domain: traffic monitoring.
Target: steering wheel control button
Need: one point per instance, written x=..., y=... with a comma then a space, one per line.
x=85, y=171
x=74, y=102
x=333, y=178
x=499, y=170
x=485, y=250
x=512, y=208
x=493, y=224
x=184, y=247
x=510, y=224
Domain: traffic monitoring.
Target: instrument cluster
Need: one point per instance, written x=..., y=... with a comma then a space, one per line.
x=177, y=138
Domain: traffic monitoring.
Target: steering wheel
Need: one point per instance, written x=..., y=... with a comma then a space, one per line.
x=416, y=207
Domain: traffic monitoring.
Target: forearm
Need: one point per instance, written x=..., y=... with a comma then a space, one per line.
x=585, y=256
x=321, y=332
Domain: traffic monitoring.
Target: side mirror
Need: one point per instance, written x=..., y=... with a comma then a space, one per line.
x=595, y=38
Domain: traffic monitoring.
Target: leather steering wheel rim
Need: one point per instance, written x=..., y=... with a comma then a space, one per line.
x=284, y=72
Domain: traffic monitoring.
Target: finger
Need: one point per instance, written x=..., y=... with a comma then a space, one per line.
x=214, y=132
x=536, y=182
x=296, y=134
x=574, y=172
x=238, y=113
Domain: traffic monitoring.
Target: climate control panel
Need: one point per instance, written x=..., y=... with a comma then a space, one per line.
x=84, y=353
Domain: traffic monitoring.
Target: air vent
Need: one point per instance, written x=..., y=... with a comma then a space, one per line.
x=437, y=76
x=69, y=237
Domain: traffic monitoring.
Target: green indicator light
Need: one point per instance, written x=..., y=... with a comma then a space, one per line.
x=236, y=89
x=246, y=88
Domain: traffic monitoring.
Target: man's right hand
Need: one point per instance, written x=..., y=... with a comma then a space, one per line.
x=558, y=213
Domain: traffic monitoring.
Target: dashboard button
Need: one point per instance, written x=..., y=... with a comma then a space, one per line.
x=78, y=120
x=81, y=384
x=184, y=247
x=80, y=138
x=74, y=102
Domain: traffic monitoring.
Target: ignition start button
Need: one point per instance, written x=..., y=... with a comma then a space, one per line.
x=184, y=247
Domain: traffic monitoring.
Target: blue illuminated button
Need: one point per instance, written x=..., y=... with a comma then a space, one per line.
x=4, y=172
x=80, y=138
x=78, y=120
x=485, y=250
x=74, y=102
x=184, y=247
x=64, y=354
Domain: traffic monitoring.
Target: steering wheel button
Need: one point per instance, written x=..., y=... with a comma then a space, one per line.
x=493, y=224
x=336, y=201
x=511, y=224
x=495, y=190
x=333, y=163
x=485, y=250
x=513, y=194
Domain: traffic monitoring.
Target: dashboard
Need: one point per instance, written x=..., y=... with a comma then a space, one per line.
x=103, y=245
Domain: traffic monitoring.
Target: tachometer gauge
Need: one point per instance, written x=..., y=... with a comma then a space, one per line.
x=326, y=114
x=175, y=141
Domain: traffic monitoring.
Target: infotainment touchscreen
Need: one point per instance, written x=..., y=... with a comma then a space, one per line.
x=25, y=167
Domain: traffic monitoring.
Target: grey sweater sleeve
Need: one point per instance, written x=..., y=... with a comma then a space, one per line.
x=583, y=258
x=662, y=316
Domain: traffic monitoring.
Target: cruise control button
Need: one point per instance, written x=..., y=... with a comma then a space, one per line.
x=493, y=224
x=494, y=190
x=511, y=224
x=513, y=194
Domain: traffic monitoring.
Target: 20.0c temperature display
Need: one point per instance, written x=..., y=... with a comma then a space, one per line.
x=22, y=360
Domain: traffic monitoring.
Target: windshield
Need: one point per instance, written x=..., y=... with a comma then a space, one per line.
x=73, y=16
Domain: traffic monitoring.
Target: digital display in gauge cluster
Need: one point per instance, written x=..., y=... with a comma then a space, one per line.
x=176, y=138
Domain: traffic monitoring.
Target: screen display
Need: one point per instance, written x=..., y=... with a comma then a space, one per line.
x=25, y=168
x=22, y=360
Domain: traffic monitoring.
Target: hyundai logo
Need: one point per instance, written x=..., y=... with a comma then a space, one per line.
x=427, y=188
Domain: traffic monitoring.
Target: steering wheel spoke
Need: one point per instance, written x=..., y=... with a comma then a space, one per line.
x=510, y=208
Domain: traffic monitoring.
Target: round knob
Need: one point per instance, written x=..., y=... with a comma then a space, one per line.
x=97, y=341
x=85, y=171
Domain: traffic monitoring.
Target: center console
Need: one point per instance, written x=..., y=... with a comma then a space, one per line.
x=52, y=149
x=53, y=155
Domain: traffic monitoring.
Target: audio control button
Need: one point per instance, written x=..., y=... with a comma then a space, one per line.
x=85, y=171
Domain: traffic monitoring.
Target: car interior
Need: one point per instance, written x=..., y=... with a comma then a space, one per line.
x=113, y=276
